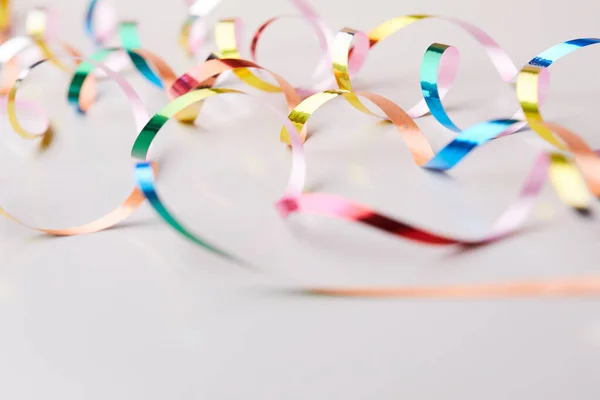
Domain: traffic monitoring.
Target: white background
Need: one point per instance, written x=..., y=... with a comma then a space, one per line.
x=138, y=312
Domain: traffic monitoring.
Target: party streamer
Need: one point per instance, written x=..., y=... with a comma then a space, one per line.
x=228, y=38
x=5, y=20
x=571, y=164
x=38, y=22
x=194, y=29
x=437, y=73
x=133, y=200
x=189, y=91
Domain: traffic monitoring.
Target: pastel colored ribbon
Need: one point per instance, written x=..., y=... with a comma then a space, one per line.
x=132, y=46
x=5, y=20
x=438, y=71
x=188, y=91
x=228, y=37
x=102, y=33
x=561, y=171
x=8, y=53
x=136, y=197
x=194, y=29
x=578, y=287
x=145, y=178
x=573, y=178
x=423, y=155
x=532, y=86
x=349, y=43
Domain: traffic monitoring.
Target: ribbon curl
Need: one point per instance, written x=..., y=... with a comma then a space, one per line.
x=573, y=167
x=133, y=201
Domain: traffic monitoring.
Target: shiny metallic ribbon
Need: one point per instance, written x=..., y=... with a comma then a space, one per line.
x=194, y=29
x=348, y=55
x=435, y=81
x=145, y=177
x=136, y=197
x=188, y=90
x=228, y=37
x=8, y=53
x=5, y=20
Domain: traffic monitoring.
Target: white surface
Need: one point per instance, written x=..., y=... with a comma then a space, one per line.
x=138, y=312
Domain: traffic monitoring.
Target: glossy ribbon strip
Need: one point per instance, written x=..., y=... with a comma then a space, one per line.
x=145, y=177
x=100, y=33
x=133, y=200
x=532, y=86
x=581, y=286
x=423, y=155
x=8, y=53
x=437, y=74
x=5, y=20
x=228, y=37
x=194, y=29
x=573, y=167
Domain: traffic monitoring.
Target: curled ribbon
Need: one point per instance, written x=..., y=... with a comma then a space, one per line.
x=228, y=38
x=133, y=201
x=194, y=29
x=145, y=178
x=139, y=57
x=423, y=155
x=436, y=78
x=100, y=33
x=437, y=74
x=189, y=92
x=38, y=23
x=573, y=178
x=532, y=86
